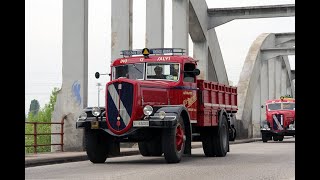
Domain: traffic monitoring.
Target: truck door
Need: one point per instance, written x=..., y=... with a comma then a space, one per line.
x=190, y=91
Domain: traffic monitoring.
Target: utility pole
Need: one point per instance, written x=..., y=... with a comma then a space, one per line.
x=99, y=84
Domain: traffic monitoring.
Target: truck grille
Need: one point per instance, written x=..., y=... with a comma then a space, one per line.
x=119, y=104
x=277, y=121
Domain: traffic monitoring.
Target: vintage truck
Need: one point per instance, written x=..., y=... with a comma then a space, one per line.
x=280, y=119
x=164, y=113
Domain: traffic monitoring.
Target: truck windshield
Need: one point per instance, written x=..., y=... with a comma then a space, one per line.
x=163, y=71
x=130, y=71
x=279, y=106
x=290, y=106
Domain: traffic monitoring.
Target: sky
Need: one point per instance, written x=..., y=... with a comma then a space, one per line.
x=43, y=41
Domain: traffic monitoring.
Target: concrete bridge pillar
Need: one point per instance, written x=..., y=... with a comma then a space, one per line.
x=72, y=97
x=180, y=24
x=155, y=24
x=121, y=27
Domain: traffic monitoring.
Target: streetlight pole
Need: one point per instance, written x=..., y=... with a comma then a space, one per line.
x=98, y=84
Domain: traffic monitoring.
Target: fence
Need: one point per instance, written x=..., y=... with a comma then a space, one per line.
x=35, y=134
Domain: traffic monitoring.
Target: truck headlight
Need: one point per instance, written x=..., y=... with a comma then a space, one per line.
x=83, y=116
x=162, y=114
x=266, y=126
x=96, y=111
x=147, y=110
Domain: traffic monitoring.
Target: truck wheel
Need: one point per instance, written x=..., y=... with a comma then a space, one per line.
x=143, y=148
x=275, y=138
x=221, y=140
x=280, y=138
x=173, y=142
x=207, y=141
x=96, y=146
x=265, y=137
x=232, y=134
x=151, y=148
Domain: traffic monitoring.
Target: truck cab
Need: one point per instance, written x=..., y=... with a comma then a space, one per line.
x=154, y=98
x=280, y=119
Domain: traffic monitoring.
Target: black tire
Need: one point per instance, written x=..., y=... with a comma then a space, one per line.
x=172, y=149
x=280, y=138
x=221, y=140
x=143, y=148
x=151, y=148
x=275, y=138
x=265, y=137
x=96, y=143
x=232, y=134
x=207, y=141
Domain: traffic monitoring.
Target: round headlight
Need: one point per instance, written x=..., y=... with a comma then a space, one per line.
x=96, y=111
x=266, y=126
x=291, y=126
x=147, y=110
x=83, y=116
x=162, y=114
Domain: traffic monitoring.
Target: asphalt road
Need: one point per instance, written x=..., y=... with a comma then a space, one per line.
x=256, y=160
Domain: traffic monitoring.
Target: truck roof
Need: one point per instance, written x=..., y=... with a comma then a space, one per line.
x=279, y=100
x=158, y=55
x=153, y=58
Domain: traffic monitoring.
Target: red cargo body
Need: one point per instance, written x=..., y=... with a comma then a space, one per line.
x=212, y=97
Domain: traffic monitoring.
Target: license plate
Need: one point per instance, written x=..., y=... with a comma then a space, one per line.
x=94, y=125
x=140, y=123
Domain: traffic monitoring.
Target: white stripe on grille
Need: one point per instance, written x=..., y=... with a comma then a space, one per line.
x=277, y=122
x=115, y=97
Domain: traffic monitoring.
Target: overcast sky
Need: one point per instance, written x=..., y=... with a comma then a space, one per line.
x=43, y=41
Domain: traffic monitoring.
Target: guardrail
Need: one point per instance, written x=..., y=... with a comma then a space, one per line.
x=35, y=134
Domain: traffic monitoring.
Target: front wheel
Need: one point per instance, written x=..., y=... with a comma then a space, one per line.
x=96, y=145
x=265, y=137
x=173, y=142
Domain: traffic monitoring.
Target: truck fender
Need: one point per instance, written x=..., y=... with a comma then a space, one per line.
x=177, y=111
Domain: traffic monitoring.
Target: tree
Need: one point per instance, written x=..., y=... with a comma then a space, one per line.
x=34, y=107
x=43, y=115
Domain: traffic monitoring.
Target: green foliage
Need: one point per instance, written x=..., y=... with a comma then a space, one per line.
x=44, y=115
x=34, y=107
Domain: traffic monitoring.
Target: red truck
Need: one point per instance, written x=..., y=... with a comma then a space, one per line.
x=154, y=98
x=280, y=119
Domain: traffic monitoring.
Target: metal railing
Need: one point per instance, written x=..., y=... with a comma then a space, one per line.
x=35, y=134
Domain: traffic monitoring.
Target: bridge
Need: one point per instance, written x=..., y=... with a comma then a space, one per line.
x=266, y=72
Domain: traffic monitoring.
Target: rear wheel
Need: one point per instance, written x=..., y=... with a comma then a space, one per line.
x=173, y=142
x=96, y=143
x=207, y=141
x=221, y=140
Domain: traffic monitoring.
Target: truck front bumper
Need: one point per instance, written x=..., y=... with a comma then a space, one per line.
x=150, y=122
x=287, y=132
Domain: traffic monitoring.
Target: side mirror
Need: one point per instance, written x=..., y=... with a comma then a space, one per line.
x=262, y=106
x=97, y=75
x=196, y=72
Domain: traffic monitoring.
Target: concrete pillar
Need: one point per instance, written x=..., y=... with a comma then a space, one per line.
x=256, y=111
x=271, y=79
x=278, y=67
x=121, y=27
x=216, y=58
x=155, y=24
x=180, y=24
x=200, y=52
x=284, y=79
x=72, y=97
x=264, y=90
